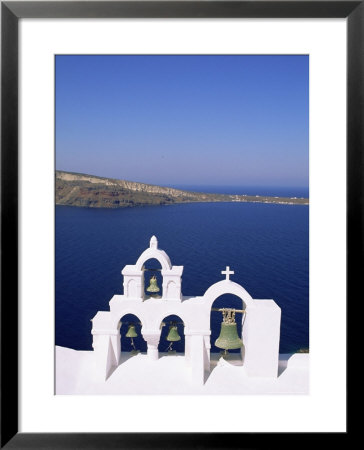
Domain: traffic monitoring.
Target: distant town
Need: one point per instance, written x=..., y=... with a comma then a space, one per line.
x=90, y=191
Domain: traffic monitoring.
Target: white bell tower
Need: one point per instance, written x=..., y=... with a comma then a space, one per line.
x=260, y=322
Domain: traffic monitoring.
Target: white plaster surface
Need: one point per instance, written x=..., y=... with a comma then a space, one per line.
x=76, y=374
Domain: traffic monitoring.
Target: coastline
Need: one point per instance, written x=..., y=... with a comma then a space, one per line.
x=82, y=190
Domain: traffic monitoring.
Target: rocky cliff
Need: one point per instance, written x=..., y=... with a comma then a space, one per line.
x=77, y=189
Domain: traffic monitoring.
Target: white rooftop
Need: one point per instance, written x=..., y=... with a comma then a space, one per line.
x=139, y=374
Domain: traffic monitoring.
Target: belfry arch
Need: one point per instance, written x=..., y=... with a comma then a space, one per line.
x=134, y=281
x=228, y=287
x=153, y=252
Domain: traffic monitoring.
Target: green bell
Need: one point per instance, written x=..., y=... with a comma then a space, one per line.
x=173, y=335
x=153, y=286
x=228, y=339
x=131, y=332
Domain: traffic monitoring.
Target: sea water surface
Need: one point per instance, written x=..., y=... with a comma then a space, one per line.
x=266, y=245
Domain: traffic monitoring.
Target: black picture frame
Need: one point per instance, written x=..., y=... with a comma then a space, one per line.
x=11, y=12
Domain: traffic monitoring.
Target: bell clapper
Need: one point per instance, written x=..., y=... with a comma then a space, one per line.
x=134, y=351
x=169, y=349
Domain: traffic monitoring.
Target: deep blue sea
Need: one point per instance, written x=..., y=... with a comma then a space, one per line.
x=266, y=245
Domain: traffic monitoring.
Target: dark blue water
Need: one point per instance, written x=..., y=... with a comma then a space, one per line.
x=266, y=245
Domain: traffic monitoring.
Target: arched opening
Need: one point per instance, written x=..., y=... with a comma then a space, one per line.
x=172, y=327
x=153, y=279
x=234, y=355
x=131, y=337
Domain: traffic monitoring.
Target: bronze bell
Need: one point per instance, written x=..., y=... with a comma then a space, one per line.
x=173, y=335
x=228, y=338
x=153, y=286
x=131, y=333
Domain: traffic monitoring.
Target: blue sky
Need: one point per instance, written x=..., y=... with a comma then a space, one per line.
x=192, y=120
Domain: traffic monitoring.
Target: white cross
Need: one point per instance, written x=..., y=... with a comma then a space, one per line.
x=228, y=272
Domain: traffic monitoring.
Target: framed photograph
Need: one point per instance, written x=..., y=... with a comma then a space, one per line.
x=181, y=212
